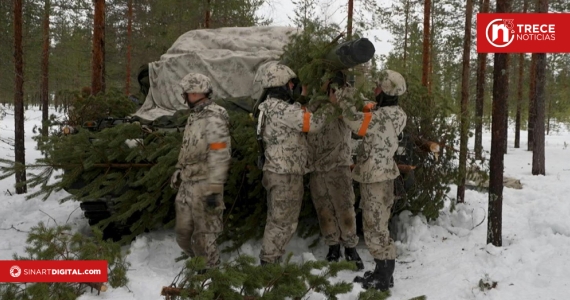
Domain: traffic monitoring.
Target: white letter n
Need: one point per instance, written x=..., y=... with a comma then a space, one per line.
x=495, y=32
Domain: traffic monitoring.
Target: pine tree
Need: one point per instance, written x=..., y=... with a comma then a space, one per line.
x=19, y=147
x=132, y=177
x=243, y=278
x=60, y=243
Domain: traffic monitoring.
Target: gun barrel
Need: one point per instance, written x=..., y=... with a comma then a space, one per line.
x=351, y=53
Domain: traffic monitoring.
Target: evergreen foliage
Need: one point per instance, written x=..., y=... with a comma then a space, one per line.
x=86, y=107
x=308, y=54
x=60, y=243
x=372, y=294
x=429, y=120
x=244, y=195
x=243, y=278
x=133, y=177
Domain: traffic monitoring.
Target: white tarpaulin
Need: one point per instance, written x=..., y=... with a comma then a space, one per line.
x=229, y=56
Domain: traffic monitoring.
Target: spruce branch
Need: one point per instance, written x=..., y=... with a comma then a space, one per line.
x=99, y=286
x=59, y=243
x=14, y=228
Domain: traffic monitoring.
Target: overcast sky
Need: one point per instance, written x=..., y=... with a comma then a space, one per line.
x=281, y=11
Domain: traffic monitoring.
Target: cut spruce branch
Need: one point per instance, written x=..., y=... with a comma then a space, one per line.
x=99, y=286
x=170, y=293
x=428, y=146
x=405, y=168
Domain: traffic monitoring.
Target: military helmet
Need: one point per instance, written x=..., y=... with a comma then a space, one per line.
x=196, y=83
x=276, y=75
x=392, y=83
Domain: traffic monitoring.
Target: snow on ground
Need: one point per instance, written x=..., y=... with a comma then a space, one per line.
x=443, y=259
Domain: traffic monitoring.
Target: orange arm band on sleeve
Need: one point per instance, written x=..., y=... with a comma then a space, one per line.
x=306, y=122
x=365, y=123
x=368, y=107
x=217, y=146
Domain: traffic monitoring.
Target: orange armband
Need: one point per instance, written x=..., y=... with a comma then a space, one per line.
x=217, y=146
x=365, y=123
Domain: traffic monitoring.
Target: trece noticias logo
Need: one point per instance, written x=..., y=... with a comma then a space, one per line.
x=523, y=33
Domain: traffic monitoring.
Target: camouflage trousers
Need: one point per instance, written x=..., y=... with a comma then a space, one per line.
x=376, y=204
x=197, y=226
x=284, y=199
x=333, y=196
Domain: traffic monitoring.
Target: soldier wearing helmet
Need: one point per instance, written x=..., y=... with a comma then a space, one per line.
x=332, y=191
x=375, y=169
x=283, y=126
x=201, y=171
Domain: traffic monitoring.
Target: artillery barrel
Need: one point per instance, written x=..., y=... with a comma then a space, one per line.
x=350, y=54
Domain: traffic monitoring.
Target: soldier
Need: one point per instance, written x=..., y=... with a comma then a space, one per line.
x=376, y=170
x=332, y=191
x=201, y=171
x=284, y=125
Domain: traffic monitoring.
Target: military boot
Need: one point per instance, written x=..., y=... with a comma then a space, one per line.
x=350, y=254
x=263, y=262
x=334, y=253
x=380, y=278
x=361, y=279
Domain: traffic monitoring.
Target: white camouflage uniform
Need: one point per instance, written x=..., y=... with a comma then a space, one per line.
x=286, y=158
x=202, y=166
x=375, y=167
x=331, y=186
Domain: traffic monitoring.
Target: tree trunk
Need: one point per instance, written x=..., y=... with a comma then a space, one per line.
x=519, y=92
x=407, y=12
x=548, y=115
x=538, y=163
x=44, y=89
x=500, y=96
x=531, y=103
x=98, y=61
x=506, y=137
x=207, y=17
x=480, y=94
x=465, y=102
x=426, y=45
x=349, y=19
x=432, y=45
x=103, y=53
x=519, y=102
x=129, y=45
x=19, y=145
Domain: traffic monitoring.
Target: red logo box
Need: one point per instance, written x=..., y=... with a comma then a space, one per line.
x=523, y=33
x=53, y=271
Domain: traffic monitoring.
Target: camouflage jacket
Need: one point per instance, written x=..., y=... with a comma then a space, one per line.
x=330, y=147
x=379, y=128
x=286, y=150
x=206, y=148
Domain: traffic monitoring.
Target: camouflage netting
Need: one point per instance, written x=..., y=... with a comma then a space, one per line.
x=229, y=56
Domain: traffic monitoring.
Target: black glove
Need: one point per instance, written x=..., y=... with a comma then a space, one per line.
x=303, y=100
x=211, y=201
x=339, y=79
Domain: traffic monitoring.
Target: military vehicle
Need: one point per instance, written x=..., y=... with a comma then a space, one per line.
x=232, y=58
